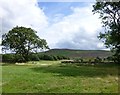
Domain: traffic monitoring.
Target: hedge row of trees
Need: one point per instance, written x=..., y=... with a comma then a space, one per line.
x=12, y=58
x=94, y=60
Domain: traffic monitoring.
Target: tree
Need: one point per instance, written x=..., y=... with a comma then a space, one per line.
x=110, y=15
x=23, y=41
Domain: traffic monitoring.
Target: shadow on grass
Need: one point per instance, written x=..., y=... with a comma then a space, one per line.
x=85, y=71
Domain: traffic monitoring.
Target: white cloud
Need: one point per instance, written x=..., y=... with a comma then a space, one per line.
x=22, y=13
x=0, y=47
x=67, y=0
x=78, y=30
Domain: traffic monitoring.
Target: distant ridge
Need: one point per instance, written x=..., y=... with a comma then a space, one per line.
x=72, y=53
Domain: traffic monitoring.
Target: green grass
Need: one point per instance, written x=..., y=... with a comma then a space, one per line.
x=53, y=77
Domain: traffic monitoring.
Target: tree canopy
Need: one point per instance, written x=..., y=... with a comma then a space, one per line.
x=110, y=15
x=23, y=41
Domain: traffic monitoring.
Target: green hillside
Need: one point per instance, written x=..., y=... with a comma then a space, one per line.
x=79, y=53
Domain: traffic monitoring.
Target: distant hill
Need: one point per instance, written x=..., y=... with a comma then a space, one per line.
x=79, y=53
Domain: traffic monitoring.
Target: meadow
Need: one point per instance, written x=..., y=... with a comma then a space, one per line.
x=55, y=77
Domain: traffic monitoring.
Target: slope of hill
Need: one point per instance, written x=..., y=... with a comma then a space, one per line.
x=79, y=53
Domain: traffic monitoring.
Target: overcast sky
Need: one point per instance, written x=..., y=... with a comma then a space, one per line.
x=63, y=24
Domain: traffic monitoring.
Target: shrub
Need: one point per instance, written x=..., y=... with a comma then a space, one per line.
x=8, y=58
x=97, y=60
x=60, y=57
x=90, y=61
x=78, y=60
x=12, y=58
x=110, y=58
x=55, y=58
x=18, y=58
x=46, y=57
x=34, y=57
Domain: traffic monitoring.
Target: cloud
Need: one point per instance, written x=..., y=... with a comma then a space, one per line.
x=82, y=42
x=22, y=13
x=77, y=31
x=67, y=0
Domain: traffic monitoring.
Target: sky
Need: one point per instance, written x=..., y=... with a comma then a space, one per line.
x=69, y=25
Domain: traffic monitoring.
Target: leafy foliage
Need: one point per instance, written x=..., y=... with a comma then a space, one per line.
x=97, y=60
x=110, y=15
x=23, y=41
x=12, y=58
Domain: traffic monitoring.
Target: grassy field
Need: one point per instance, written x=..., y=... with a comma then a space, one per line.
x=54, y=77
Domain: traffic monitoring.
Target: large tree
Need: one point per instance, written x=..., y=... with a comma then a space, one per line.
x=23, y=41
x=110, y=15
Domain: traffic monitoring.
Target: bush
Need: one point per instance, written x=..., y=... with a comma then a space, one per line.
x=34, y=57
x=55, y=58
x=60, y=57
x=8, y=58
x=97, y=60
x=110, y=58
x=78, y=60
x=90, y=61
x=12, y=58
x=19, y=58
x=46, y=57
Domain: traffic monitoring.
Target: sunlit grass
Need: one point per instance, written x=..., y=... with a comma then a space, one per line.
x=59, y=78
x=0, y=79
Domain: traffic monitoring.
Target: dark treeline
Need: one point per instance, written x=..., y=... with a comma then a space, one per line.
x=12, y=58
